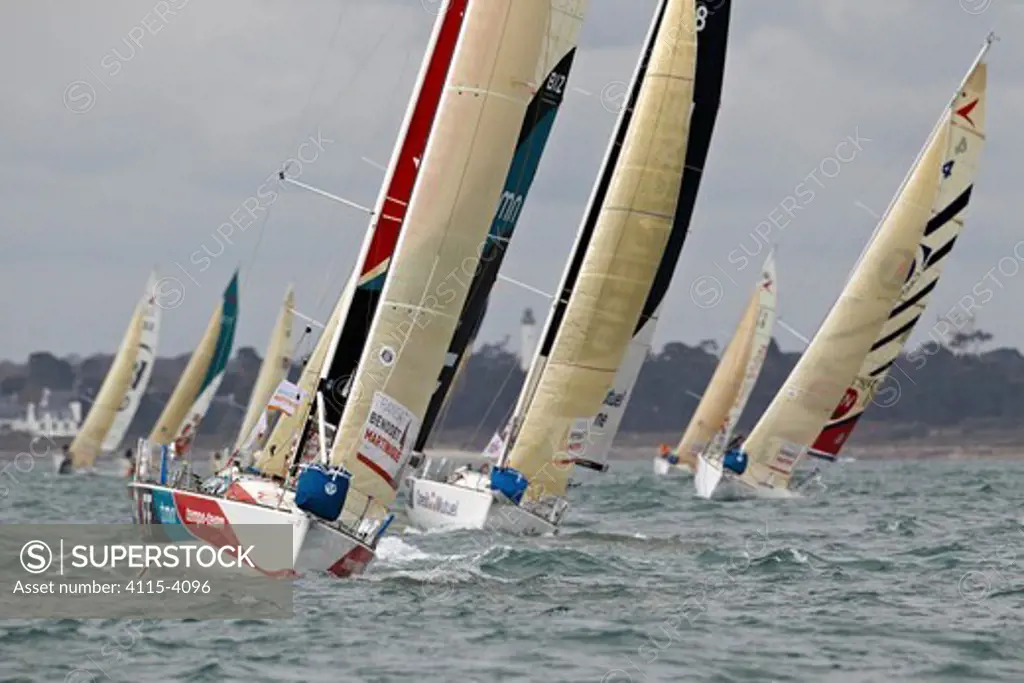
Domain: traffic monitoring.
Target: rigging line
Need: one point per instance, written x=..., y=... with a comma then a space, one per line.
x=512, y=368
x=248, y=268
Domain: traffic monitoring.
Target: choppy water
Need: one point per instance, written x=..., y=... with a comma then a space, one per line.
x=899, y=572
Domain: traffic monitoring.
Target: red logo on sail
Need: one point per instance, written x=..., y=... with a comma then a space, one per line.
x=965, y=111
x=845, y=405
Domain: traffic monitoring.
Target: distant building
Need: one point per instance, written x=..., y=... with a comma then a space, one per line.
x=58, y=415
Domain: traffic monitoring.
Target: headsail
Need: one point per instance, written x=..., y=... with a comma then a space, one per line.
x=202, y=376
x=738, y=369
x=808, y=396
x=553, y=72
x=959, y=169
x=632, y=229
x=467, y=160
x=88, y=443
x=276, y=362
x=142, y=371
x=278, y=450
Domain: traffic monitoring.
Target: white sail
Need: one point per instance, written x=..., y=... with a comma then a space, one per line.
x=618, y=269
x=88, y=442
x=142, y=370
x=959, y=169
x=273, y=369
x=830, y=363
x=461, y=175
x=733, y=380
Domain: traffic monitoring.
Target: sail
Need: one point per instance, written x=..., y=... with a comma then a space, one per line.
x=464, y=168
x=273, y=369
x=802, y=406
x=142, y=371
x=737, y=371
x=959, y=168
x=712, y=27
x=88, y=442
x=630, y=236
x=277, y=452
x=198, y=383
x=553, y=72
x=360, y=302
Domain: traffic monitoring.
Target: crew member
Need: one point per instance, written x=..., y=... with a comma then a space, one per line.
x=131, y=463
x=65, y=464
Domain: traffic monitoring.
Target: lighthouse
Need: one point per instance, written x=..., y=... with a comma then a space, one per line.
x=528, y=339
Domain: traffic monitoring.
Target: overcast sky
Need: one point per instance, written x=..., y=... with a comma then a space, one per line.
x=120, y=157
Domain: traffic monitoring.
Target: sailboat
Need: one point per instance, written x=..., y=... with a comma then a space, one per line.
x=712, y=25
x=192, y=396
x=481, y=84
x=626, y=230
x=733, y=381
x=764, y=465
x=275, y=365
x=959, y=169
x=118, y=398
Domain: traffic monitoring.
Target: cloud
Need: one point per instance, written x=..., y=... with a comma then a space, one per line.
x=209, y=106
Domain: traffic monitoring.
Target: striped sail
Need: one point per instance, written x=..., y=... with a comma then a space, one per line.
x=464, y=168
x=88, y=442
x=362, y=297
x=959, y=169
x=802, y=406
x=629, y=238
x=553, y=75
x=712, y=27
x=202, y=376
x=273, y=369
x=733, y=380
x=142, y=371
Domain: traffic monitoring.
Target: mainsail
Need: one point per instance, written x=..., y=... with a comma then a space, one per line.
x=88, y=442
x=553, y=72
x=711, y=21
x=802, y=406
x=142, y=371
x=465, y=165
x=202, y=376
x=959, y=168
x=729, y=388
x=361, y=298
x=276, y=362
x=628, y=238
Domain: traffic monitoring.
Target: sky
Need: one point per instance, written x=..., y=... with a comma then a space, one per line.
x=132, y=130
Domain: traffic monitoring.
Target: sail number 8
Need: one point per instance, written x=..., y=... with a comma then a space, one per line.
x=702, y=17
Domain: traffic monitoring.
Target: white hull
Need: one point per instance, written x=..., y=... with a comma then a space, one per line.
x=712, y=482
x=469, y=504
x=316, y=546
x=663, y=467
